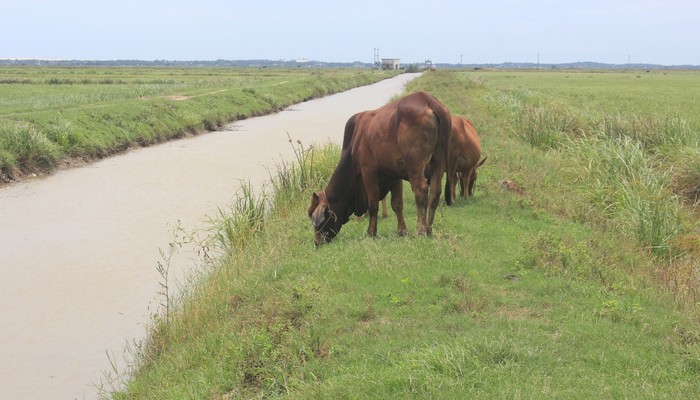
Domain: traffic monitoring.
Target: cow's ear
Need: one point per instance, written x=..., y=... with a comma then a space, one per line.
x=319, y=215
x=314, y=203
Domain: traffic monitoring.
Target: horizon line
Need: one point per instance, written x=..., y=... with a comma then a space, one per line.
x=309, y=61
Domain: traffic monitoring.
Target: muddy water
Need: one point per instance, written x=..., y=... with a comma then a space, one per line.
x=79, y=249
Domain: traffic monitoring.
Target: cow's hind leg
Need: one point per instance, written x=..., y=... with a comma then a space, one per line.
x=434, y=198
x=397, y=205
x=419, y=186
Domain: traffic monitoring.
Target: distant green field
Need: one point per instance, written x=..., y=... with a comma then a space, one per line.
x=611, y=92
x=49, y=114
x=555, y=293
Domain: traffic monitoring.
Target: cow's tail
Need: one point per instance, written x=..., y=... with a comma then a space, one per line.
x=444, y=133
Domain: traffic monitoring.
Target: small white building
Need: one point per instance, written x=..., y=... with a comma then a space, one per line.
x=391, y=63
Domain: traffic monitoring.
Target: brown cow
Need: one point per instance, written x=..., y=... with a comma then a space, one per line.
x=381, y=148
x=465, y=151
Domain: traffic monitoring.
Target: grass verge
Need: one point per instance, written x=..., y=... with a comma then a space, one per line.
x=511, y=298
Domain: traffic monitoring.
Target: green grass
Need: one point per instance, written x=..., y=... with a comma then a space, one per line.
x=50, y=114
x=634, y=158
x=515, y=296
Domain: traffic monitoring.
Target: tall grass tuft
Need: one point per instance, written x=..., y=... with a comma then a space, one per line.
x=687, y=174
x=7, y=165
x=623, y=181
x=654, y=132
x=307, y=172
x=547, y=127
x=656, y=219
x=235, y=226
x=297, y=175
x=22, y=144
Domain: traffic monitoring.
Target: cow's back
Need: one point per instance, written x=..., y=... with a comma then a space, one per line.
x=410, y=126
x=466, y=147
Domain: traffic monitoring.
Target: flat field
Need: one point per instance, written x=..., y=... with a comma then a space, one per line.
x=577, y=288
x=51, y=115
x=611, y=92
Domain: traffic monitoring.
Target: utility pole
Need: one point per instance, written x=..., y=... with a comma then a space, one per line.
x=460, y=61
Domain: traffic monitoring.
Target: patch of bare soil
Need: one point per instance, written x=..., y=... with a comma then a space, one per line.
x=176, y=97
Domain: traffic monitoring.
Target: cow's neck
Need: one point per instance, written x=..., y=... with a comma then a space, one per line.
x=341, y=188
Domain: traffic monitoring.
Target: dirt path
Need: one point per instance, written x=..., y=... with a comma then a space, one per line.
x=78, y=249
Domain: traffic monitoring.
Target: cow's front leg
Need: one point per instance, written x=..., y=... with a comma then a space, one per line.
x=372, y=209
x=372, y=228
x=464, y=184
x=453, y=182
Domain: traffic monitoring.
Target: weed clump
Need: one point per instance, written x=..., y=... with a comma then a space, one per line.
x=23, y=144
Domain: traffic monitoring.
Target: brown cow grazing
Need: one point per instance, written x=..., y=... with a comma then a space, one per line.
x=465, y=151
x=381, y=148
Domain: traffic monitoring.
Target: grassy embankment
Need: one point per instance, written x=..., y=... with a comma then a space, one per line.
x=550, y=294
x=630, y=149
x=51, y=115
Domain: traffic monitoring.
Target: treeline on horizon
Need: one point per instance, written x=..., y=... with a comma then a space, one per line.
x=262, y=63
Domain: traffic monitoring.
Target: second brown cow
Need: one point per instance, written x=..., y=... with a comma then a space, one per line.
x=465, y=152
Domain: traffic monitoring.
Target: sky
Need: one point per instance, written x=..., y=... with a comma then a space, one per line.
x=663, y=32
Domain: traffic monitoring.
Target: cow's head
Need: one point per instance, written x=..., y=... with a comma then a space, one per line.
x=472, y=179
x=325, y=221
